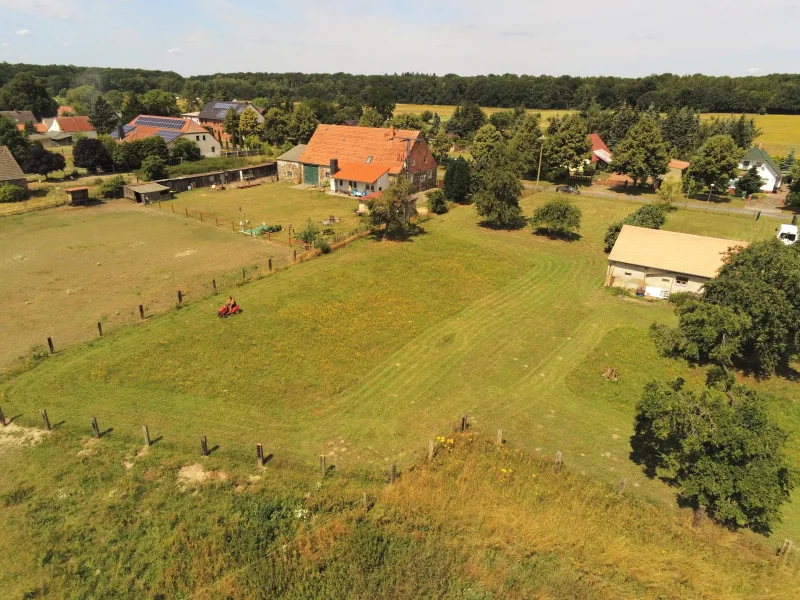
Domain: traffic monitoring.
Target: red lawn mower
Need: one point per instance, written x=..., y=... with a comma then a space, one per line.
x=229, y=310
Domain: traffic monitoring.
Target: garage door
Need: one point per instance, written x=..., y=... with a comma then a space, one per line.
x=310, y=175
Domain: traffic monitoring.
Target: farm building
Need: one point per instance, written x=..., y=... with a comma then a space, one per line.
x=78, y=195
x=170, y=129
x=147, y=193
x=358, y=178
x=401, y=152
x=213, y=115
x=233, y=177
x=658, y=263
x=289, y=167
x=20, y=117
x=677, y=168
x=72, y=125
x=769, y=171
x=10, y=173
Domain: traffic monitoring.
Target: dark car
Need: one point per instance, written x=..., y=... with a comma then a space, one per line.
x=568, y=189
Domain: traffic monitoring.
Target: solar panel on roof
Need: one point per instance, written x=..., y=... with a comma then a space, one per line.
x=160, y=122
x=169, y=135
x=225, y=105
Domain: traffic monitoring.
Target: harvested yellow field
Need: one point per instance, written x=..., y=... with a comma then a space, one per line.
x=780, y=134
x=445, y=111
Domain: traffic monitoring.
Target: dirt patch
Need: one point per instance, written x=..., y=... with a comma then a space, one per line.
x=185, y=253
x=15, y=436
x=88, y=447
x=195, y=475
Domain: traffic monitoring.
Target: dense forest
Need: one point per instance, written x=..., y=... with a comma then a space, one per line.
x=774, y=94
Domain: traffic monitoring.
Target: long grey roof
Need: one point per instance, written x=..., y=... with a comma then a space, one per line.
x=217, y=109
x=9, y=169
x=20, y=117
x=147, y=188
x=294, y=154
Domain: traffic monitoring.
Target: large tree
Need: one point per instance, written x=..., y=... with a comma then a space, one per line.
x=13, y=139
x=103, y=117
x=484, y=150
x=642, y=153
x=749, y=315
x=230, y=125
x=716, y=162
x=81, y=99
x=624, y=118
x=383, y=99
x=42, y=162
x=720, y=447
x=371, y=118
x=26, y=92
x=467, y=118
x=161, y=103
x=248, y=122
x=301, y=125
x=457, y=180
x=527, y=144
x=131, y=108
x=557, y=218
x=395, y=208
x=91, y=154
x=497, y=188
x=679, y=130
x=185, y=149
x=440, y=144
x=569, y=146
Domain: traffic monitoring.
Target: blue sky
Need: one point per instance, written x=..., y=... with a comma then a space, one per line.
x=581, y=37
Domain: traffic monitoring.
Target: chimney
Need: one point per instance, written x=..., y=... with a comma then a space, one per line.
x=121, y=132
x=391, y=132
x=760, y=145
x=334, y=166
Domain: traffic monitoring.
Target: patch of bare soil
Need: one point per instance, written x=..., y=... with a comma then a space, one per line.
x=88, y=447
x=195, y=475
x=14, y=436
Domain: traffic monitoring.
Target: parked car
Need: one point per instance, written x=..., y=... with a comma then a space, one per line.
x=568, y=189
x=788, y=234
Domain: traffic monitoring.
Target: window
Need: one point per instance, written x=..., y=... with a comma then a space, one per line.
x=198, y=137
x=758, y=164
x=628, y=273
x=424, y=160
x=352, y=184
x=213, y=149
x=681, y=280
x=380, y=189
x=413, y=162
x=369, y=159
x=746, y=164
x=341, y=183
x=204, y=138
x=665, y=279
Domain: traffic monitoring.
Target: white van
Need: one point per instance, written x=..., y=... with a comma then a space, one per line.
x=788, y=234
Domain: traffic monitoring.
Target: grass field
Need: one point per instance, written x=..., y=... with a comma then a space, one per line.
x=445, y=112
x=99, y=263
x=364, y=354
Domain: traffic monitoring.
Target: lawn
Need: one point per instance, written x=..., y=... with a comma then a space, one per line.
x=365, y=354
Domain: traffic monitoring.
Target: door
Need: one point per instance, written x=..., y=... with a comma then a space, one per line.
x=311, y=174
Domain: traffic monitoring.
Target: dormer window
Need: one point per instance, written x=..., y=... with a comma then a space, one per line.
x=369, y=159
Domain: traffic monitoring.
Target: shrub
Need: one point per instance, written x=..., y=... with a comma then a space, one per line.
x=437, y=202
x=324, y=247
x=651, y=216
x=185, y=149
x=112, y=187
x=11, y=193
x=153, y=167
x=558, y=217
x=309, y=233
x=457, y=180
x=91, y=154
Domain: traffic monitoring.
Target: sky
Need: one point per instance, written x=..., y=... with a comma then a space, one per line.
x=467, y=37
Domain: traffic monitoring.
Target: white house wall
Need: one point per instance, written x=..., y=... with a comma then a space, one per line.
x=343, y=185
x=205, y=141
x=770, y=178
x=628, y=276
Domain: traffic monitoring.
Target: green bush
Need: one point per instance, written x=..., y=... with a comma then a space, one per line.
x=112, y=187
x=437, y=202
x=309, y=233
x=153, y=167
x=12, y=193
x=207, y=165
x=324, y=247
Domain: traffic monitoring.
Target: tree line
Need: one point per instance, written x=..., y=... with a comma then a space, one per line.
x=775, y=94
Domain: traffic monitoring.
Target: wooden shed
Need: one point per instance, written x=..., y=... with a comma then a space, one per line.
x=78, y=195
x=147, y=192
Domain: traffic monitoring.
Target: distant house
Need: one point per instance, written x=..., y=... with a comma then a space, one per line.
x=289, y=167
x=72, y=125
x=170, y=129
x=20, y=117
x=10, y=173
x=769, y=171
x=600, y=152
x=336, y=148
x=213, y=115
x=677, y=168
x=660, y=263
x=65, y=111
x=192, y=116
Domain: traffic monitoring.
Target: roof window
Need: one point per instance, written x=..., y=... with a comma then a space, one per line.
x=369, y=159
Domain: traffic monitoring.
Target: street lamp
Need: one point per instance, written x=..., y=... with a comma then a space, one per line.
x=710, y=191
x=539, y=172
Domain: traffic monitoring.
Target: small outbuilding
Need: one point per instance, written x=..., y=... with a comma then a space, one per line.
x=658, y=263
x=78, y=195
x=358, y=179
x=289, y=167
x=10, y=173
x=147, y=193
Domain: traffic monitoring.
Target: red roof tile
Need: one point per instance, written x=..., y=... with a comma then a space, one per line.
x=64, y=110
x=356, y=144
x=597, y=143
x=74, y=124
x=360, y=172
x=679, y=164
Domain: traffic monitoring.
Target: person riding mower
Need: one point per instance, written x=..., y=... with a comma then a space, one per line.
x=230, y=308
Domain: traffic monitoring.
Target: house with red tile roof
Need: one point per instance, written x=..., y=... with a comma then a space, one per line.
x=367, y=159
x=600, y=152
x=170, y=129
x=72, y=125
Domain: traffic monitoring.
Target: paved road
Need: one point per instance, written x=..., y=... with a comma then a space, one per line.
x=726, y=210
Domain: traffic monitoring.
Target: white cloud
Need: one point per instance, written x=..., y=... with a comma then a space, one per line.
x=23, y=32
x=188, y=40
x=4, y=44
x=174, y=51
x=67, y=44
x=754, y=70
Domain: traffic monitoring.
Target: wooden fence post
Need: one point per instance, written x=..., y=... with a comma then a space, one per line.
x=393, y=473
x=187, y=213
x=699, y=513
x=785, y=549
x=559, y=461
x=216, y=220
x=233, y=226
x=243, y=275
x=146, y=433
x=2, y=418
x=204, y=446
x=201, y=217
x=100, y=329
x=214, y=285
x=46, y=420
x=430, y=450
x=623, y=484
x=50, y=345
x=180, y=298
x=141, y=312
x=463, y=422
x=295, y=256
x=259, y=455
x=322, y=464
x=95, y=428
x=173, y=209
x=270, y=265
x=499, y=437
